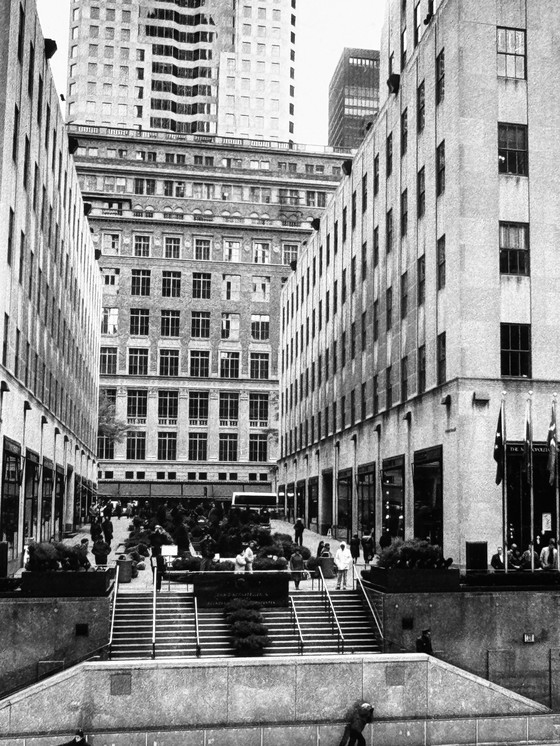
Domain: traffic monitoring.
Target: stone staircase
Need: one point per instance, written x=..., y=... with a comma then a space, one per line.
x=176, y=637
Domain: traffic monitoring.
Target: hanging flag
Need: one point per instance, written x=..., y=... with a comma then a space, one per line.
x=528, y=446
x=499, y=448
x=552, y=446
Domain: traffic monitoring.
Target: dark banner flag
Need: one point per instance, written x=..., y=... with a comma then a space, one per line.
x=552, y=445
x=499, y=447
x=528, y=446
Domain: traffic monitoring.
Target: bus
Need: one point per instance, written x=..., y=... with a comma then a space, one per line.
x=257, y=501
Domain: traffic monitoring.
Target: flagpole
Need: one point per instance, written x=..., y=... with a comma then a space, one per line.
x=504, y=483
x=530, y=476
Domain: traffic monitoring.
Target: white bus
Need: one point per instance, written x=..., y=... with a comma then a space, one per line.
x=255, y=501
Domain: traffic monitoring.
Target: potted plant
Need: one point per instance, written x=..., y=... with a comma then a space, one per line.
x=249, y=636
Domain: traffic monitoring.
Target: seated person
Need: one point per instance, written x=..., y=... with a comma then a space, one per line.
x=497, y=561
x=515, y=558
x=526, y=559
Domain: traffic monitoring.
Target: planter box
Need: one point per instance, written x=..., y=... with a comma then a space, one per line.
x=513, y=579
x=50, y=584
x=215, y=589
x=397, y=580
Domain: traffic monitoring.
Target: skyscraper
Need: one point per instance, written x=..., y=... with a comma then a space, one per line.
x=189, y=66
x=353, y=97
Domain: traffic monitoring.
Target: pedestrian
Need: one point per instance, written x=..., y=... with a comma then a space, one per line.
x=343, y=562
x=107, y=528
x=298, y=532
x=129, y=509
x=362, y=715
x=355, y=548
x=240, y=562
x=249, y=557
x=82, y=553
x=119, y=510
x=95, y=529
x=497, y=561
x=424, y=642
x=158, y=537
x=326, y=551
x=79, y=738
x=297, y=568
x=515, y=558
x=208, y=552
x=101, y=551
x=549, y=556
x=320, y=548
x=108, y=509
x=368, y=547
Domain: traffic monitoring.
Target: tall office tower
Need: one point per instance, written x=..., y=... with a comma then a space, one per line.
x=195, y=66
x=50, y=301
x=353, y=97
x=196, y=241
x=438, y=292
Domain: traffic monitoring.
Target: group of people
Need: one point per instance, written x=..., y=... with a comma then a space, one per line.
x=245, y=558
x=527, y=560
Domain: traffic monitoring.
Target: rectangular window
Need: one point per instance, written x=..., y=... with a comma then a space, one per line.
x=229, y=364
x=389, y=232
x=136, y=406
x=135, y=446
x=376, y=246
x=364, y=192
x=421, y=369
x=167, y=446
x=389, y=308
x=515, y=343
x=261, y=289
x=421, y=279
x=375, y=320
x=202, y=249
x=230, y=326
x=441, y=361
x=514, y=249
x=258, y=450
x=168, y=407
x=289, y=252
x=138, y=361
x=404, y=295
x=261, y=252
x=198, y=408
x=139, y=322
x=376, y=174
x=170, y=284
x=198, y=446
x=227, y=447
x=229, y=409
x=108, y=361
x=389, y=387
x=440, y=77
x=142, y=245
x=140, y=282
x=170, y=321
x=389, y=155
x=404, y=212
x=511, y=50
x=512, y=149
x=421, y=192
x=404, y=378
x=441, y=263
x=258, y=410
x=199, y=363
x=200, y=324
x=440, y=166
x=231, y=250
x=231, y=287
x=420, y=107
x=404, y=132
x=201, y=285
x=172, y=247
x=260, y=327
x=353, y=218
x=169, y=362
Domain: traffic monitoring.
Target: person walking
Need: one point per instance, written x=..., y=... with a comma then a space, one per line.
x=108, y=509
x=296, y=568
x=353, y=733
x=100, y=551
x=343, y=562
x=298, y=532
x=107, y=528
x=119, y=510
x=249, y=557
x=355, y=548
x=424, y=642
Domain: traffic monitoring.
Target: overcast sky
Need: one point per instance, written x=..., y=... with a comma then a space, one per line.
x=324, y=28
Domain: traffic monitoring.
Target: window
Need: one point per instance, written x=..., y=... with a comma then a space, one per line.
x=172, y=247
x=139, y=322
x=514, y=249
x=512, y=149
x=200, y=363
x=231, y=250
x=404, y=132
x=198, y=408
x=289, y=252
x=404, y=378
x=440, y=166
x=389, y=232
x=258, y=410
x=230, y=326
x=201, y=285
x=142, y=245
x=404, y=212
x=229, y=364
x=421, y=192
x=441, y=263
x=109, y=320
x=515, y=343
x=389, y=387
x=376, y=246
x=389, y=308
x=389, y=155
x=227, y=447
x=202, y=247
x=108, y=361
x=229, y=409
x=138, y=361
x=259, y=365
x=170, y=323
x=376, y=174
x=105, y=448
x=260, y=327
x=136, y=406
x=258, y=450
x=135, y=446
x=167, y=447
x=421, y=369
x=364, y=192
x=375, y=320
x=441, y=362
x=231, y=287
x=440, y=77
x=261, y=253
x=140, y=284
x=261, y=289
x=421, y=279
x=404, y=295
x=364, y=262
x=420, y=108
x=169, y=362
x=168, y=407
x=198, y=446
x=200, y=324
x=511, y=53
x=170, y=284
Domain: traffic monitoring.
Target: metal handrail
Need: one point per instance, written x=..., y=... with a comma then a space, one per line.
x=372, y=609
x=297, y=625
x=196, y=631
x=115, y=592
x=154, y=593
x=332, y=613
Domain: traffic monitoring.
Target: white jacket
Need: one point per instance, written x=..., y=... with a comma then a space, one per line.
x=343, y=558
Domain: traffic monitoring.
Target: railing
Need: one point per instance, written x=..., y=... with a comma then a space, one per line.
x=327, y=600
x=258, y=423
x=136, y=420
x=229, y=423
x=113, y=610
x=295, y=622
x=198, y=422
x=167, y=420
x=371, y=607
x=196, y=631
x=154, y=602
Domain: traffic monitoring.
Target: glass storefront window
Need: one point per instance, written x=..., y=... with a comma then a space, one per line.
x=31, y=498
x=10, y=502
x=392, y=522
x=428, y=495
x=344, y=521
x=366, y=499
x=46, y=504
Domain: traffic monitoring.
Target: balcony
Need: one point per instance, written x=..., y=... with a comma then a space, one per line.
x=198, y=422
x=229, y=423
x=258, y=423
x=167, y=421
x=136, y=420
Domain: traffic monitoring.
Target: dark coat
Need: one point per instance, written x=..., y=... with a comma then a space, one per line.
x=424, y=645
x=355, y=547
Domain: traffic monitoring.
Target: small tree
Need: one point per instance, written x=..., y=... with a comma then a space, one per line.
x=107, y=423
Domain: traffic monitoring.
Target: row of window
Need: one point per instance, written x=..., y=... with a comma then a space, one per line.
x=141, y=285
x=198, y=363
x=170, y=324
x=191, y=476
x=228, y=447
